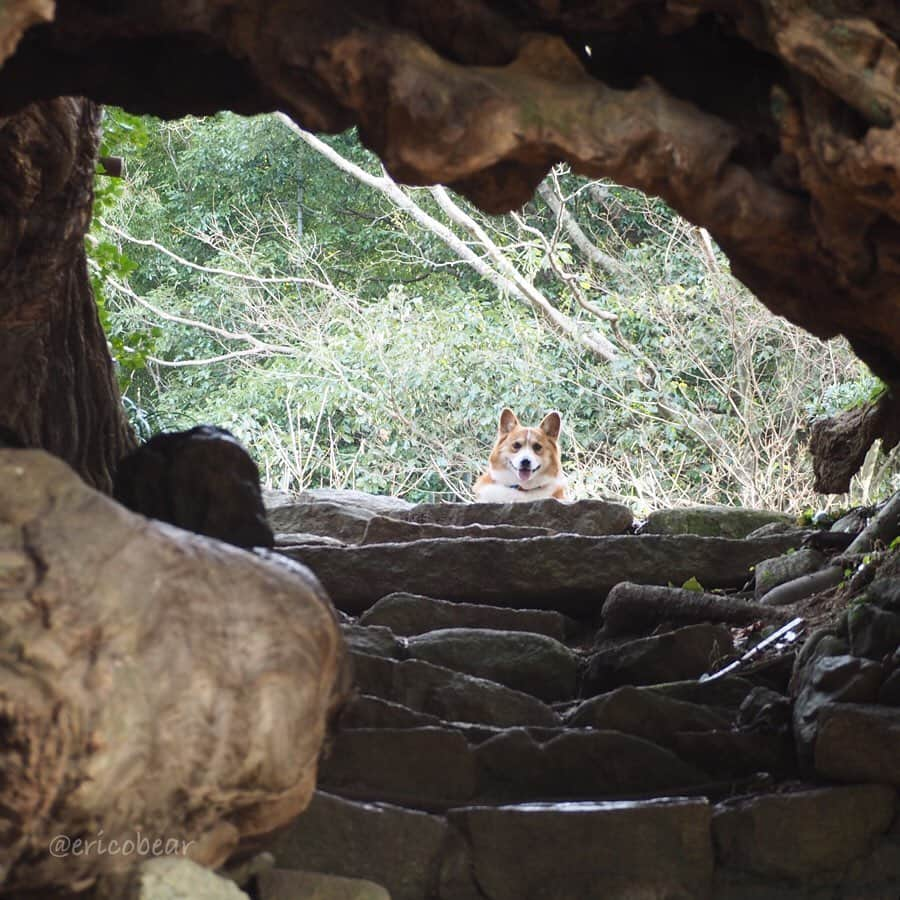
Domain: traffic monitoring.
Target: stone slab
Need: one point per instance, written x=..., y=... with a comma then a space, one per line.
x=571, y=574
x=411, y=614
x=653, y=850
x=803, y=833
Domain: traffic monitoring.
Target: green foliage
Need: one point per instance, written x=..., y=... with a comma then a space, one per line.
x=845, y=395
x=123, y=134
x=693, y=585
x=348, y=345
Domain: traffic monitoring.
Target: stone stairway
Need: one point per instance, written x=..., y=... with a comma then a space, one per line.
x=507, y=742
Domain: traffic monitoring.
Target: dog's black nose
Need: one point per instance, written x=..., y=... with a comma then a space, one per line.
x=525, y=464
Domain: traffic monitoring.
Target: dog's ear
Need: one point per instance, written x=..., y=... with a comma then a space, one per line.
x=508, y=421
x=551, y=424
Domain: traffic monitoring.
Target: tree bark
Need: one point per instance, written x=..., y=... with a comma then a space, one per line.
x=56, y=376
x=156, y=686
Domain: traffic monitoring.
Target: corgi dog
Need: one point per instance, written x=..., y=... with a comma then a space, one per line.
x=524, y=464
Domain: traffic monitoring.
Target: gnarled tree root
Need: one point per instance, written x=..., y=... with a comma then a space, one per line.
x=159, y=689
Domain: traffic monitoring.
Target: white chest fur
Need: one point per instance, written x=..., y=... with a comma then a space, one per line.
x=500, y=493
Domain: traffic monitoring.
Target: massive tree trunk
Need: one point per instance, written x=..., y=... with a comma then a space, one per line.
x=57, y=382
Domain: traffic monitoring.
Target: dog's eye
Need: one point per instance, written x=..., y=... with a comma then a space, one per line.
x=517, y=445
x=537, y=448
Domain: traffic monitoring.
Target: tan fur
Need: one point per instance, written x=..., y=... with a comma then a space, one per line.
x=509, y=478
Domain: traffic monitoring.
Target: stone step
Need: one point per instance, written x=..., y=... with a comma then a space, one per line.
x=647, y=714
x=451, y=696
x=676, y=655
x=714, y=521
x=437, y=767
x=360, y=518
x=818, y=843
x=414, y=855
x=388, y=530
x=411, y=614
x=804, y=834
x=573, y=851
x=570, y=574
x=423, y=768
x=587, y=517
x=532, y=663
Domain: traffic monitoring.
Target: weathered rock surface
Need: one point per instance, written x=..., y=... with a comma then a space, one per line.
x=411, y=614
x=532, y=663
x=293, y=538
x=831, y=679
x=858, y=743
x=802, y=834
x=765, y=710
x=737, y=754
x=394, y=847
x=874, y=632
x=452, y=696
x=579, y=763
x=711, y=521
x=386, y=530
x=373, y=639
x=433, y=738
x=647, y=714
x=375, y=504
x=423, y=768
x=586, y=517
x=570, y=574
x=728, y=692
x=341, y=522
x=686, y=652
x=366, y=711
x=579, y=850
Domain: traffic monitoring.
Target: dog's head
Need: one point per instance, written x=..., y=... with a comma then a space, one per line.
x=526, y=456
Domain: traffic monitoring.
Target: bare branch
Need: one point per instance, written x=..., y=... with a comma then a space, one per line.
x=190, y=264
x=580, y=240
x=502, y=274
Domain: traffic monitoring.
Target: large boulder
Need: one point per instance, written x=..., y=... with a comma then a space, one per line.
x=202, y=480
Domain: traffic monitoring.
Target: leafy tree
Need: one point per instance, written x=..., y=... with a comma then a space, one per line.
x=354, y=332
